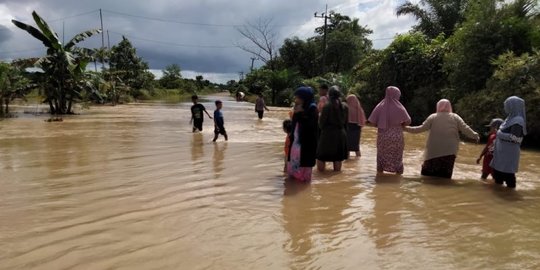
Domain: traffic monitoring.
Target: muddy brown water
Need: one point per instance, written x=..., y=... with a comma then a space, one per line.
x=130, y=187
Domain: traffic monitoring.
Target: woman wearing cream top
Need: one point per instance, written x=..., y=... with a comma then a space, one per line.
x=443, y=140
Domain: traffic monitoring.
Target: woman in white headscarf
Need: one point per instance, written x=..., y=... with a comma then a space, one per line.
x=442, y=145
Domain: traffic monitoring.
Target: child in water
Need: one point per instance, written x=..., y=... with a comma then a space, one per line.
x=219, y=127
x=287, y=127
x=197, y=116
x=487, y=153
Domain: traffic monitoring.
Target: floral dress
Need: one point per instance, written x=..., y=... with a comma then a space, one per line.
x=301, y=174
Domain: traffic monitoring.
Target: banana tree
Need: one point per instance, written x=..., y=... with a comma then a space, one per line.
x=13, y=85
x=63, y=73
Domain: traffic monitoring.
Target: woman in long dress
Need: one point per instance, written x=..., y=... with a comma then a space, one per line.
x=303, y=136
x=357, y=119
x=389, y=116
x=507, y=151
x=332, y=146
x=442, y=144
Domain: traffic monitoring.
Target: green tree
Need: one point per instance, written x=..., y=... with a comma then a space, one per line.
x=63, y=77
x=347, y=42
x=13, y=85
x=130, y=68
x=301, y=55
x=491, y=29
x=413, y=62
x=435, y=17
x=172, y=78
x=514, y=75
x=199, y=81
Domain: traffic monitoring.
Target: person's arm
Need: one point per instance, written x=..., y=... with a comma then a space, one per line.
x=515, y=135
x=422, y=128
x=465, y=129
x=323, y=117
x=209, y=116
x=484, y=152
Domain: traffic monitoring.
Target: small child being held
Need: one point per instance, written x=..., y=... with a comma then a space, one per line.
x=487, y=153
x=219, y=123
x=287, y=128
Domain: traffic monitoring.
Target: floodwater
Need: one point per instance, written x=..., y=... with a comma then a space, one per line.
x=130, y=187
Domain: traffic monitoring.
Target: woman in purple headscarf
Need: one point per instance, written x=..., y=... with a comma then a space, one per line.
x=303, y=149
x=442, y=145
x=389, y=117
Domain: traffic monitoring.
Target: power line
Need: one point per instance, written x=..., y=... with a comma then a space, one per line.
x=74, y=16
x=185, y=22
x=175, y=44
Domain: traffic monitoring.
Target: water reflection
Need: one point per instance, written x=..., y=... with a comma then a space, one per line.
x=316, y=219
x=219, y=155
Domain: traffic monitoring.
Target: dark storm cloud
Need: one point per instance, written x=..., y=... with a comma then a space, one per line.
x=154, y=29
x=5, y=34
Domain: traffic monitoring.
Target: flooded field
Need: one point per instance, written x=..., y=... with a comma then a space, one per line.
x=130, y=187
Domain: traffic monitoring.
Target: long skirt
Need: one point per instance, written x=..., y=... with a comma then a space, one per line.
x=439, y=167
x=390, y=145
x=354, y=131
x=295, y=171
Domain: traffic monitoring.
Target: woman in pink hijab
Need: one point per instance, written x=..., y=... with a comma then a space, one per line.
x=357, y=119
x=442, y=145
x=389, y=117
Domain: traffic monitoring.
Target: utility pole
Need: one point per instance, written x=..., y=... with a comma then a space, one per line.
x=108, y=41
x=241, y=75
x=102, y=37
x=64, y=32
x=325, y=16
x=252, y=61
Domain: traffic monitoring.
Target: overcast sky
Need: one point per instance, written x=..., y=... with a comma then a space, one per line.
x=198, y=35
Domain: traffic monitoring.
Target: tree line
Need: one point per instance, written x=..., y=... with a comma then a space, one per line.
x=63, y=77
x=473, y=52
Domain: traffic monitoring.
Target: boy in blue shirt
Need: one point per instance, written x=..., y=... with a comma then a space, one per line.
x=219, y=122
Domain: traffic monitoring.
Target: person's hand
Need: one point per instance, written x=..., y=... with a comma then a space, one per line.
x=211, y=117
x=478, y=160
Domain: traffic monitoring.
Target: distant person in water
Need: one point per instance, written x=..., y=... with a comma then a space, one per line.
x=303, y=147
x=507, y=151
x=487, y=152
x=323, y=97
x=332, y=146
x=260, y=106
x=287, y=127
x=219, y=123
x=357, y=119
x=442, y=144
x=197, y=117
x=389, y=116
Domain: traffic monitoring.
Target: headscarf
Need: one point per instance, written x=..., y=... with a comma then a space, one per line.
x=356, y=112
x=389, y=112
x=305, y=93
x=515, y=109
x=334, y=94
x=444, y=105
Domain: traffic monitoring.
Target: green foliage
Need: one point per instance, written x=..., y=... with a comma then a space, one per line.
x=489, y=31
x=514, y=75
x=302, y=56
x=63, y=75
x=12, y=85
x=172, y=78
x=412, y=62
x=130, y=68
x=435, y=17
x=274, y=82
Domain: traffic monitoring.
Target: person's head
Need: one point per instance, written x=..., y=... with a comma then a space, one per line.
x=444, y=105
x=495, y=124
x=334, y=94
x=219, y=104
x=323, y=90
x=303, y=96
x=392, y=92
x=194, y=98
x=287, y=126
x=514, y=106
x=260, y=94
